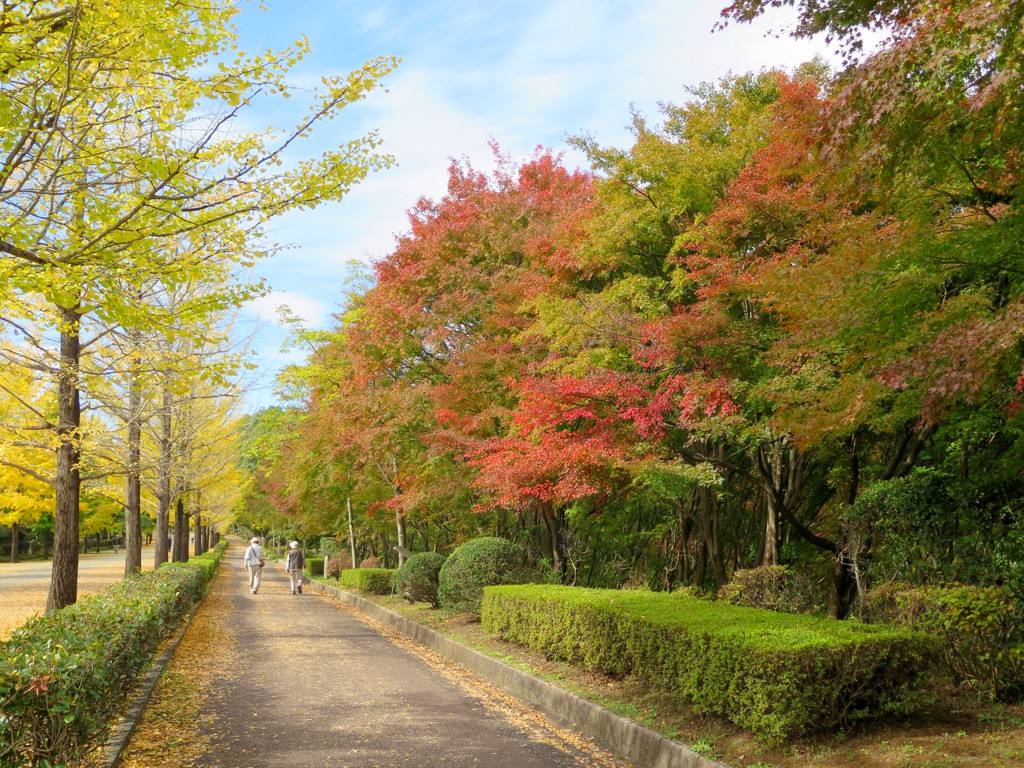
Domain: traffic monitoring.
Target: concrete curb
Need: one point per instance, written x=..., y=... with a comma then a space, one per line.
x=619, y=735
x=124, y=729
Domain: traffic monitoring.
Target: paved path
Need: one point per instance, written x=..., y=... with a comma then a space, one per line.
x=312, y=684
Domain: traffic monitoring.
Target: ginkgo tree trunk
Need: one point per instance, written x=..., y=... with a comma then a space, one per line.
x=118, y=140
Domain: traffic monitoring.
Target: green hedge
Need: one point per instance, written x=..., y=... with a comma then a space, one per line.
x=65, y=675
x=981, y=629
x=376, y=581
x=315, y=566
x=778, y=675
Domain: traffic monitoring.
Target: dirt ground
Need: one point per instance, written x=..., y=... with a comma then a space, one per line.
x=20, y=604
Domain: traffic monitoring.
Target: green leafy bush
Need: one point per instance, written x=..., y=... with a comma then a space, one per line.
x=418, y=577
x=477, y=564
x=778, y=675
x=376, y=581
x=315, y=565
x=64, y=675
x=982, y=631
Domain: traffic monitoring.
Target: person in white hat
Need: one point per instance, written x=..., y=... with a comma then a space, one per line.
x=253, y=560
x=293, y=564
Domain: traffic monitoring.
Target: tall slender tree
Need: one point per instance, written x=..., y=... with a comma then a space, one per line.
x=118, y=141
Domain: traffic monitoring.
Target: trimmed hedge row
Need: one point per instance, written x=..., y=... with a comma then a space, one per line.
x=778, y=675
x=376, y=581
x=65, y=675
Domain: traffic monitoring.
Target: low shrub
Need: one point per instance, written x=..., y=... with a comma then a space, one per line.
x=337, y=564
x=774, y=587
x=780, y=676
x=315, y=565
x=376, y=581
x=418, y=577
x=65, y=674
x=477, y=564
x=981, y=628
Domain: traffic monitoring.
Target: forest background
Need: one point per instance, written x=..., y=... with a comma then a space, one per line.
x=782, y=328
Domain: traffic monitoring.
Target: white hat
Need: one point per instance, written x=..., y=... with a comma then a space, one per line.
x=254, y=540
x=294, y=545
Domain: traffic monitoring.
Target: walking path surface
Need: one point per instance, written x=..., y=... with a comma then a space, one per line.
x=313, y=683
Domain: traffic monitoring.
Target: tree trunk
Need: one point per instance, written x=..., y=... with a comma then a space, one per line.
x=844, y=583
x=399, y=516
x=163, y=512
x=351, y=533
x=180, y=532
x=709, y=517
x=700, y=567
x=781, y=469
x=553, y=525
x=68, y=483
x=133, y=483
x=197, y=532
x=772, y=555
x=684, y=569
x=400, y=528
x=15, y=542
x=197, y=524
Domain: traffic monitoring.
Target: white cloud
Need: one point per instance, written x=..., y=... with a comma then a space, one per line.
x=264, y=309
x=555, y=69
x=525, y=72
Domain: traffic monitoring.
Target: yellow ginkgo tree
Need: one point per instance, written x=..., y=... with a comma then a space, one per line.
x=122, y=135
x=24, y=500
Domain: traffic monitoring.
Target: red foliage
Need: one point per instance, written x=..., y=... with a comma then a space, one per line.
x=957, y=365
x=575, y=437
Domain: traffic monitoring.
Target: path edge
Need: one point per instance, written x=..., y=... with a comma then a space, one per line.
x=122, y=732
x=619, y=735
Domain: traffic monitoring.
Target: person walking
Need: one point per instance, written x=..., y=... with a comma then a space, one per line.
x=253, y=560
x=293, y=564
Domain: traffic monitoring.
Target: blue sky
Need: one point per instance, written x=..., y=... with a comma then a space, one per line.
x=523, y=73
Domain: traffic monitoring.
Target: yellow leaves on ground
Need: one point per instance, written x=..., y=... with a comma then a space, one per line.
x=169, y=734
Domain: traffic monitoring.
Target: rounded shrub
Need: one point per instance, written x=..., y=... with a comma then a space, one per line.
x=477, y=564
x=336, y=564
x=417, y=578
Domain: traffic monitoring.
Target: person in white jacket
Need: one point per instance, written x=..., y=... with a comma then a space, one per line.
x=293, y=564
x=253, y=560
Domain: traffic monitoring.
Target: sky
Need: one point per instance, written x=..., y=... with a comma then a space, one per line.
x=520, y=73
